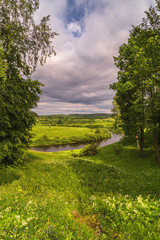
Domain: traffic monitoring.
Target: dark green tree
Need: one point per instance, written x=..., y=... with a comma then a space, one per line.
x=138, y=86
x=148, y=37
x=24, y=43
x=129, y=96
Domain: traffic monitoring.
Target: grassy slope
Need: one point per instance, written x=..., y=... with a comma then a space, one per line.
x=56, y=196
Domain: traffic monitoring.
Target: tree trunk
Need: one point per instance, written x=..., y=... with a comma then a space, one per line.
x=155, y=135
x=137, y=142
x=141, y=141
x=159, y=134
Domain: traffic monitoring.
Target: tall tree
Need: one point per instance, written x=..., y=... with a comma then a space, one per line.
x=139, y=78
x=150, y=37
x=129, y=94
x=24, y=44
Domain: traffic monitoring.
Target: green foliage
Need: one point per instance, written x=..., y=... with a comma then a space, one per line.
x=22, y=40
x=117, y=149
x=138, y=88
x=117, y=125
x=3, y=67
x=89, y=150
x=45, y=138
x=59, y=121
x=97, y=131
x=76, y=120
x=22, y=46
x=65, y=135
x=16, y=119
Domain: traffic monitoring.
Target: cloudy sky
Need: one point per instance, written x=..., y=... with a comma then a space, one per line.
x=90, y=32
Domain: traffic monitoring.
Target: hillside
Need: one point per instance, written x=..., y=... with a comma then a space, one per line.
x=57, y=196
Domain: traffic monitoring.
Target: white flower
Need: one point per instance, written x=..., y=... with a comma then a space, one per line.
x=129, y=205
x=24, y=223
x=7, y=209
x=17, y=217
x=92, y=198
x=30, y=202
x=144, y=205
x=29, y=219
x=139, y=199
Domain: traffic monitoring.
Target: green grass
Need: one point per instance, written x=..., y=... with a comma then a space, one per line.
x=46, y=135
x=58, y=196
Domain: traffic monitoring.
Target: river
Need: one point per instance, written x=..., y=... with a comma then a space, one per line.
x=56, y=148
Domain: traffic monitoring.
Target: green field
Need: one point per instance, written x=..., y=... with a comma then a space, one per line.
x=47, y=132
x=44, y=135
x=58, y=196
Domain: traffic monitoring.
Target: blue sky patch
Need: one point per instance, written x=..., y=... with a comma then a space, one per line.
x=74, y=17
x=75, y=14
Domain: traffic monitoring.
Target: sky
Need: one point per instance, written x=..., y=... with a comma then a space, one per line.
x=77, y=80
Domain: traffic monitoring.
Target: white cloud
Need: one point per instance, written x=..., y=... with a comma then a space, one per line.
x=78, y=78
x=75, y=27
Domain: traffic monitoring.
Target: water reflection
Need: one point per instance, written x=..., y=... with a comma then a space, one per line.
x=57, y=148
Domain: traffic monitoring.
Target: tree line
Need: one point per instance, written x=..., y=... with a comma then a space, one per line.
x=138, y=86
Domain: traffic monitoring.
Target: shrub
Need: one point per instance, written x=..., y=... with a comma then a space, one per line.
x=89, y=150
x=117, y=149
x=74, y=154
x=97, y=131
x=45, y=138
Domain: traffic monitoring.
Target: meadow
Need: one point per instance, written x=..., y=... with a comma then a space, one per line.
x=70, y=129
x=112, y=195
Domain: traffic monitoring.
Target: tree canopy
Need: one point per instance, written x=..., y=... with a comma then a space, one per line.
x=138, y=86
x=23, y=44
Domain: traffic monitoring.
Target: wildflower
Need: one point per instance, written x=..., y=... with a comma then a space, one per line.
x=24, y=223
x=135, y=211
x=19, y=189
x=129, y=205
x=144, y=205
x=30, y=202
x=92, y=198
x=139, y=199
x=7, y=209
x=17, y=217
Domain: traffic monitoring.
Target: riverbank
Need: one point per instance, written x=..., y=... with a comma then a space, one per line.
x=57, y=196
x=58, y=135
x=57, y=148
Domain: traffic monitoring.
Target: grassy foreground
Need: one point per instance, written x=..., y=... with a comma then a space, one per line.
x=57, y=196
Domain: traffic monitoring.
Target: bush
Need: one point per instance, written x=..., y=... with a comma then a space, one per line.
x=74, y=154
x=117, y=149
x=89, y=150
x=45, y=138
x=97, y=131
x=128, y=140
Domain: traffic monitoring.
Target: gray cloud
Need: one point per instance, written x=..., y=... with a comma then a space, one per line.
x=78, y=78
